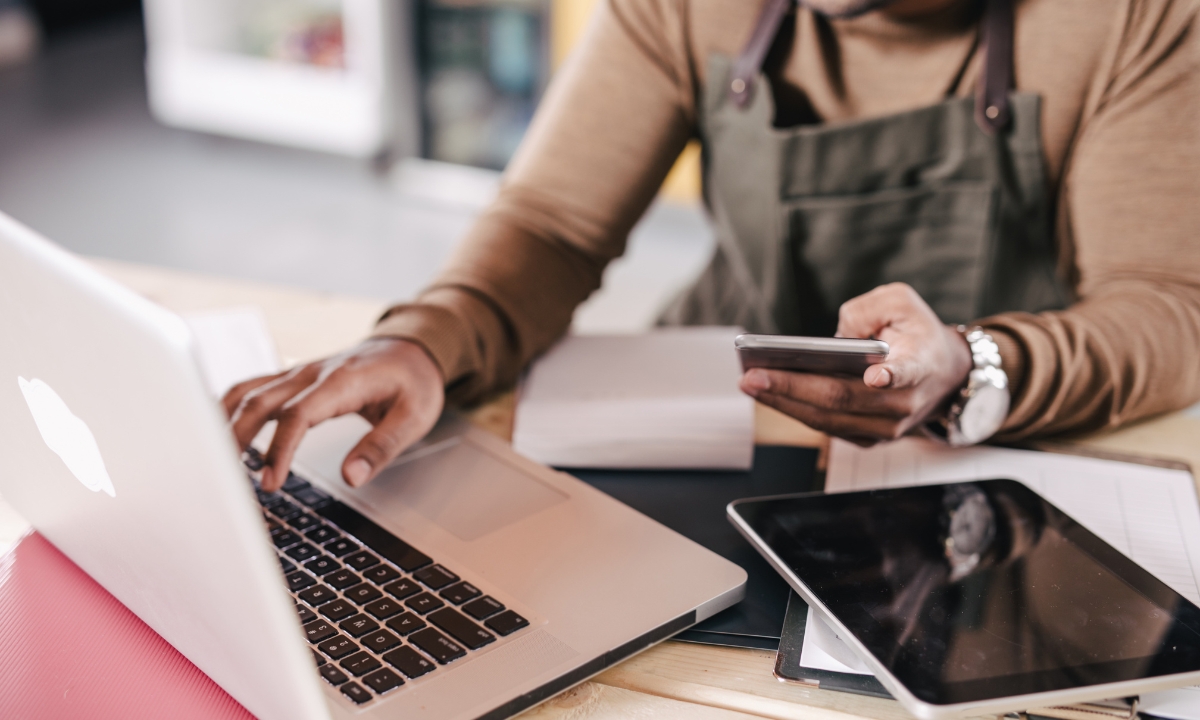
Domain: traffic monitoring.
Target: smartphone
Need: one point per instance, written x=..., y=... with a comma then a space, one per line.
x=826, y=356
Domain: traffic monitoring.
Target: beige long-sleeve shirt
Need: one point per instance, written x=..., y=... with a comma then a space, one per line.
x=1120, y=82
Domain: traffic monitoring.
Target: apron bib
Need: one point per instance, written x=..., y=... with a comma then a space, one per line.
x=951, y=199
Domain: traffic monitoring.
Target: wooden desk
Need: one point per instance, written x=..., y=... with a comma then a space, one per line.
x=674, y=679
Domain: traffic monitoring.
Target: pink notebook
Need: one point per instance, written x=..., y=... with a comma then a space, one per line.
x=68, y=649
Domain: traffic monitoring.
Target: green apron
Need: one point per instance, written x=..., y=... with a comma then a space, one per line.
x=951, y=199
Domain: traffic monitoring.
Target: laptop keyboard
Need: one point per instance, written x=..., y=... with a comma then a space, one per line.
x=377, y=611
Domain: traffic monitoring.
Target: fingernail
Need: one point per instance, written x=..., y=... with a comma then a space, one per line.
x=357, y=471
x=883, y=378
x=757, y=380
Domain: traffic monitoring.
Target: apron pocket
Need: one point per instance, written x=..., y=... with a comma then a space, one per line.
x=936, y=238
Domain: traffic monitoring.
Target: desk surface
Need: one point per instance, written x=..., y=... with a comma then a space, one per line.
x=674, y=679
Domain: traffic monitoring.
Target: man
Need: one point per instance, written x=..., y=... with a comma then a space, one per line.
x=878, y=168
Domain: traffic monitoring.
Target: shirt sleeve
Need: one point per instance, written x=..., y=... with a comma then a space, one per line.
x=1130, y=211
x=604, y=137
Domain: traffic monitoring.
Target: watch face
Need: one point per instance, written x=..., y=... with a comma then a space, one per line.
x=983, y=413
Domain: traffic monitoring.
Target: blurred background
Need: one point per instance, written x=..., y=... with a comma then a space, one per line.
x=336, y=145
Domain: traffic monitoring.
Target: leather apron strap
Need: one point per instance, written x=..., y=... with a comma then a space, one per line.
x=992, y=111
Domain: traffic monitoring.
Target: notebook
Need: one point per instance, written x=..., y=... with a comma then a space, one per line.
x=666, y=399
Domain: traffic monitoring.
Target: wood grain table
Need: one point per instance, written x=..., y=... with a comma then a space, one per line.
x=673, y=679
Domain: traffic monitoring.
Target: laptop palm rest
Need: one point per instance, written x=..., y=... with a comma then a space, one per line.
x=458, y=486
x=461, y=488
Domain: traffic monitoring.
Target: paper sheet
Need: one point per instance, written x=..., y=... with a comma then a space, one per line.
x=664, y=399
x=1150, y=514
x=232, y=345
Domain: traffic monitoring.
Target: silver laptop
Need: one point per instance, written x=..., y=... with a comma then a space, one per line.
x=464, y=582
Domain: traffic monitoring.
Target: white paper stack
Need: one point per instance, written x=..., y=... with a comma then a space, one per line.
x=665, y=399
x=232, y=345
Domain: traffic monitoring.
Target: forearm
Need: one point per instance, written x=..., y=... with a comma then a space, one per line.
x=504, y=298
x=612, y=122
x=1126, y=352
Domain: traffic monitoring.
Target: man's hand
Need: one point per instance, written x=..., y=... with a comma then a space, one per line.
x=392, y=383
x=928, y=362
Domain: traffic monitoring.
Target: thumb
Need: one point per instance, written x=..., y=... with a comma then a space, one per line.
x=390, y=437
x=897, y=373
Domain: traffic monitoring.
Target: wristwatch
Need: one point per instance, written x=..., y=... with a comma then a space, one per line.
x=981, y=406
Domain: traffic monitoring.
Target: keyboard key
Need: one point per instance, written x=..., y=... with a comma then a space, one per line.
x=304, y=522
x=437, y=645
x=409, y=661
x=342, y=579
x=383, y=680
x=361, y=560
x=267, y=499
x=356, y=692
x=272, y=525
x=359, y=625
x=253, y=459
x=333, y=675
x=338, y=610
x=424, y=603
x=318, y=658
x=381, y=574
x=338, y=647
x=285, y=539
x=285, y=510
x=392, y=548
x=322, y=534
x=484, y=607
x=360, y=663
x=293, y=483
x=461, y=629
x=311, y=497
x=384, y=608
x=380, y=641
x=406, y=623
x=436, y=576
x=363, y=593
x=306, y=615
x=402, y=589
x=322, y=565
x=302, y=552
x=318, y=630
x=317, y=595
x=459, y=593
x=297, y=581
x=286, y=564
x=341, y=547
x=507, y=622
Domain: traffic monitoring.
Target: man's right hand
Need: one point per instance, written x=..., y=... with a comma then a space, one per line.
x=392, y=383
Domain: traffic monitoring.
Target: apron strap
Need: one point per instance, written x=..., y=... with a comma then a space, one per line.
x=749, y=62
x=992, y=111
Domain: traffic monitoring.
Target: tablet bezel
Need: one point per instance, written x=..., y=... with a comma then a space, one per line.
x=992, y=702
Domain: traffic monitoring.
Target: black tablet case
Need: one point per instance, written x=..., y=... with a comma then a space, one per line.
x=787, y=661
x=692, y=503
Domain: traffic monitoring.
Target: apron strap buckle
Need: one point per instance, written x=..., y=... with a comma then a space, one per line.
x=749, y=62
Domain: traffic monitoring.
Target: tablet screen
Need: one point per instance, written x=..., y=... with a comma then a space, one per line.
x=972, y=591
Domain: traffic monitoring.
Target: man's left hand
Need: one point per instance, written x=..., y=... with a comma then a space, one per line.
x=928, y=362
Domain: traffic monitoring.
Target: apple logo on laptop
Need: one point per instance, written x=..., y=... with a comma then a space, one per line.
x=67, y=435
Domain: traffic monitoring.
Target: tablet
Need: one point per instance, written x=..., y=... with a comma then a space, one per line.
x=977, y=597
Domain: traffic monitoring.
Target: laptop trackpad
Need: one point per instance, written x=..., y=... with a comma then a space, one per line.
x=461, y=488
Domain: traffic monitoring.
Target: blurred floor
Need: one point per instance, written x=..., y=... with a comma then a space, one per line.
x=83, y=162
